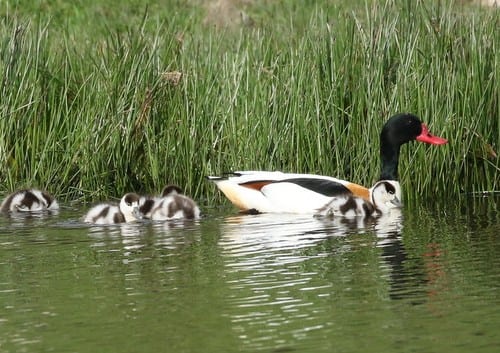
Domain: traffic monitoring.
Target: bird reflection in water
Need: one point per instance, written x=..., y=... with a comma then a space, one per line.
x=278, y=229
x=252, y=236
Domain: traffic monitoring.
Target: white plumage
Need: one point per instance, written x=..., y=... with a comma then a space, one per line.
x=278, y=192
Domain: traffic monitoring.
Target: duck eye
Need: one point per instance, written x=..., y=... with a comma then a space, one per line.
x=391, y=192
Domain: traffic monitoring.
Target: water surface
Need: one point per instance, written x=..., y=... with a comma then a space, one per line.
x=426, y=282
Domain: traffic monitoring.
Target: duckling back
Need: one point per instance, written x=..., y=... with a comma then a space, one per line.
x=104, y=214
x=347, y=206
x=148, y=204
x=172, y=204
x=175, y=206
x=29, y=200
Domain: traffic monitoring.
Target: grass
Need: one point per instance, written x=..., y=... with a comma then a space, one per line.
x=100, y=98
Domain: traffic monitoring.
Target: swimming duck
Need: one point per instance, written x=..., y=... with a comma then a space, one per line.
x=148, y=203
x=172, y=204
x=29, y=200
x=262, y=191
x=105, y=213
x=175, y=206
x=385, y=195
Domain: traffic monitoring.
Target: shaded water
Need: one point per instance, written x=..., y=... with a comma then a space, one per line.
x=427, y=282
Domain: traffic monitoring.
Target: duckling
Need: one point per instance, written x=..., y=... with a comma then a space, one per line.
x=174, y=205
x=148, y=203
x=384, y=196
x=29, y=200
x=127, y=211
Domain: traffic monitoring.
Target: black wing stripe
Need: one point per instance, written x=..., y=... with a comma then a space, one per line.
x=325, y=187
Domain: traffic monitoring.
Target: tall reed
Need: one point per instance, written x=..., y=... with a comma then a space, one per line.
x=89, y=113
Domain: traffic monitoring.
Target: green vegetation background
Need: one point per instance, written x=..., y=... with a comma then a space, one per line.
x=103, y=97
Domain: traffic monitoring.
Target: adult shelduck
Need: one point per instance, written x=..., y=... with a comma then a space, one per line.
x=261, y=191
x=29, y=200
x=106, y=213
x=385, y=196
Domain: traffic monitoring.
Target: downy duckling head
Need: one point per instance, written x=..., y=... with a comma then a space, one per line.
x=386, y=195
x=129, y=207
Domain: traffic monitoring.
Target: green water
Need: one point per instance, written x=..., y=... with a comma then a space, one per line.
x=428, y=282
